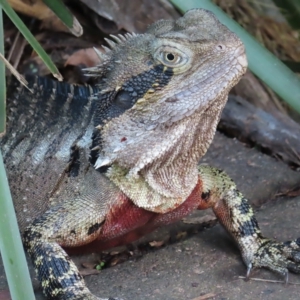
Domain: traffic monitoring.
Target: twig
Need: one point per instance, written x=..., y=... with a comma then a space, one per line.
x=15, y=72
x=206, y=296
x=268, y=280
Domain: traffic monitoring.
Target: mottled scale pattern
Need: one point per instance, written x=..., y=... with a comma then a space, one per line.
x=137, y=88
x=42, y=128
x=236, y=215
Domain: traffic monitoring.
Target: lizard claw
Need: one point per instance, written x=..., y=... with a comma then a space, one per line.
x=278, y=257
x=249, y=269
x=286, y=279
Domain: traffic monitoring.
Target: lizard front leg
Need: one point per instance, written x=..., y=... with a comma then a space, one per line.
x=76, y=219
x=236, y=215
x=72, y=223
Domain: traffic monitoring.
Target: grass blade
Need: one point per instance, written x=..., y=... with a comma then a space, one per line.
x=261, y=62
x=2, y=82
x=63, y=13
x=11, y=247
x=30, y=38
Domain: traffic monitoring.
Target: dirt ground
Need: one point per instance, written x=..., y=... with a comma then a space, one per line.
x=202, y=262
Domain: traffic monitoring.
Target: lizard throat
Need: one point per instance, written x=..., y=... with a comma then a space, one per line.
x=145, y=196
x=166, y=181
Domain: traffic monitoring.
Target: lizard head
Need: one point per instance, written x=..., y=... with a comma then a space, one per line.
x=163, y=92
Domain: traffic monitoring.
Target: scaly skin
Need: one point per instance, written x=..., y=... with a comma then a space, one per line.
x=135, y=168
x=236, y=215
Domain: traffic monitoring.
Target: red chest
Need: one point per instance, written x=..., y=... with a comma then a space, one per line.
x=125, y=222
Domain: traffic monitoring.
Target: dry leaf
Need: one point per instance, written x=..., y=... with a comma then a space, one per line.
x=39, y=10
x=89, y=265
x=86, y=57
x=87, y=272
x=133, y=16
x=206, y=296
x=156, y=244
x=181, y=234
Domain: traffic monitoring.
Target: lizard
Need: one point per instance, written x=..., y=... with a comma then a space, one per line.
x=96, y=167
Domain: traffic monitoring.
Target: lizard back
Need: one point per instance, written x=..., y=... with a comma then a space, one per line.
x=46, y=132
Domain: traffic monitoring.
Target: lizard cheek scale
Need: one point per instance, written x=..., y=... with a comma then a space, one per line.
x=96, y=167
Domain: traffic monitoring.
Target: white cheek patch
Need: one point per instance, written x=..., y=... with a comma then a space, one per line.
x=242, y=60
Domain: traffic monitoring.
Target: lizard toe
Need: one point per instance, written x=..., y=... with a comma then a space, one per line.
x=278, y=257
x=292, y=248
x=293, y=267
x=271, y=255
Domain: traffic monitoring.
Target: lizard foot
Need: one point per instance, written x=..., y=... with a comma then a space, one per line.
x=278, y=257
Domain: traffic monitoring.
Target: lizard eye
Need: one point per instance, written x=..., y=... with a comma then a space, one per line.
x=170, y=56
x=173, y=57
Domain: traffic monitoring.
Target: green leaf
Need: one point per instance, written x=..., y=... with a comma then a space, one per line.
x=30, y=38
x=63, y=13
x=2, y=81
x=100, y=266
x=261, y=62
x=11, y=247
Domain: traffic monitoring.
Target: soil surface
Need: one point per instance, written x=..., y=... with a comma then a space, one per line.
x=198, y=260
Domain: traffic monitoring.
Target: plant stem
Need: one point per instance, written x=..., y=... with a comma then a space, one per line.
x=2, y=81
x=11, y=247
x=30, y=38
